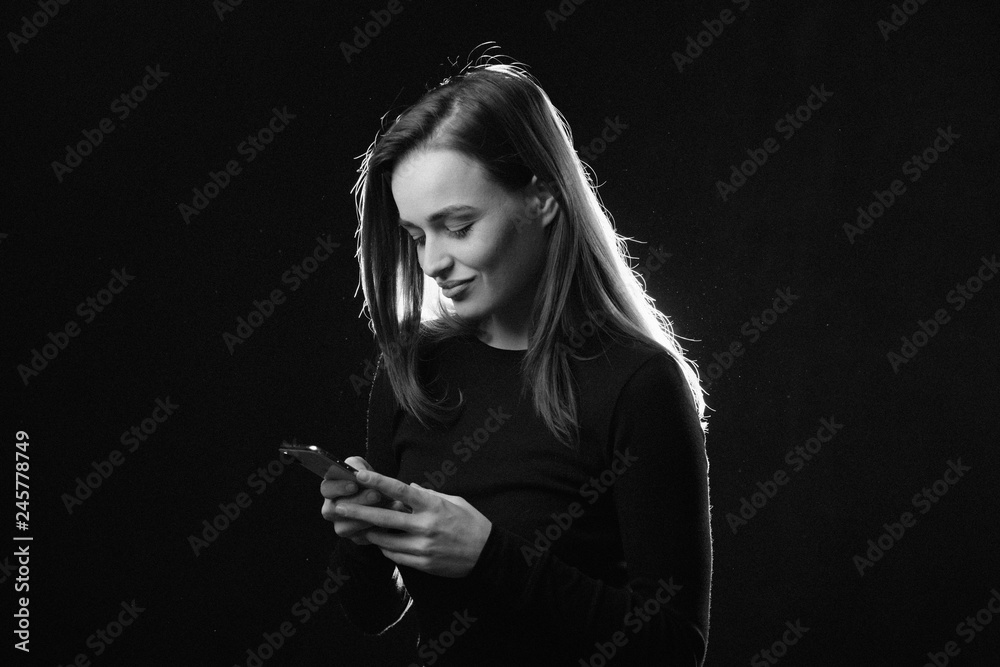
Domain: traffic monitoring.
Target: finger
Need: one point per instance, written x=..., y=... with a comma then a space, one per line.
x=399, y=543
x=344, y=527
x=405, y=559
x=335, y=488
x=351, y=529
x=376, y=516
x=400, y=507
x=357, y=462
x=414, y=496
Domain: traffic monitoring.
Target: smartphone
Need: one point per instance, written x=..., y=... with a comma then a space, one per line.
x=320, y=461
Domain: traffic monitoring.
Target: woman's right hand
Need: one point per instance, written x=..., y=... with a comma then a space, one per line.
x=341, y=491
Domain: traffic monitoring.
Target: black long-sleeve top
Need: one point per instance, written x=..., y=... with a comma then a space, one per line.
x=605, y=551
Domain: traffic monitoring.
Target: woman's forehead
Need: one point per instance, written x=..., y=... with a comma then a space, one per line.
x=428, y=182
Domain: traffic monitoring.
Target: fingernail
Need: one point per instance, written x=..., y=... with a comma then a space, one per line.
x=362, y=476
x=351, y=488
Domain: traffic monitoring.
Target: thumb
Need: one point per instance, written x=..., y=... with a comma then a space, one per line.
x=357, y=462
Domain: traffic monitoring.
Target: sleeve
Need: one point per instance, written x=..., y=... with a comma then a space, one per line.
x=662, y=503
x=372, y=594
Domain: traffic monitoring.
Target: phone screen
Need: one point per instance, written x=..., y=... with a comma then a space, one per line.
x=319, y=461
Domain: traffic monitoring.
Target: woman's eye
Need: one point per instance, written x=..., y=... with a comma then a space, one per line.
x=455, y=233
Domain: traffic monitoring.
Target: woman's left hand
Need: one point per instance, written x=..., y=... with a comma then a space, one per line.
x=443, y=535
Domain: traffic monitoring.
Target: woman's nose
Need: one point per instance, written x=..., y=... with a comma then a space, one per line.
x=436, y=256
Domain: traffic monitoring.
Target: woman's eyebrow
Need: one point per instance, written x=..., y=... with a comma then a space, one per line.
x=446, y=212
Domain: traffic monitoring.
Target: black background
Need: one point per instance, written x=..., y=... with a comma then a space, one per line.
x=299, y=375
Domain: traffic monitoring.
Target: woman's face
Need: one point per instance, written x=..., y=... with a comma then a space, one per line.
x=483, y=245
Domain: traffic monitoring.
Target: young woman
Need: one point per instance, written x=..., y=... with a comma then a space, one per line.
x=541, y=435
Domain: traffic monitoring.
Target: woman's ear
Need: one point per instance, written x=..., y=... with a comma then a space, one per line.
x=542, y=203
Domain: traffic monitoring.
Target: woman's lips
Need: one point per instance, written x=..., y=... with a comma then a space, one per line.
x=457, y=287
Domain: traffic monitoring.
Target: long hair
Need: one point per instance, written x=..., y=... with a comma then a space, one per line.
x=498, y=115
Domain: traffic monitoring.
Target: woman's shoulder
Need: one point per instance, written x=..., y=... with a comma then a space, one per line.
x=624, y=356
x=629, y=370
